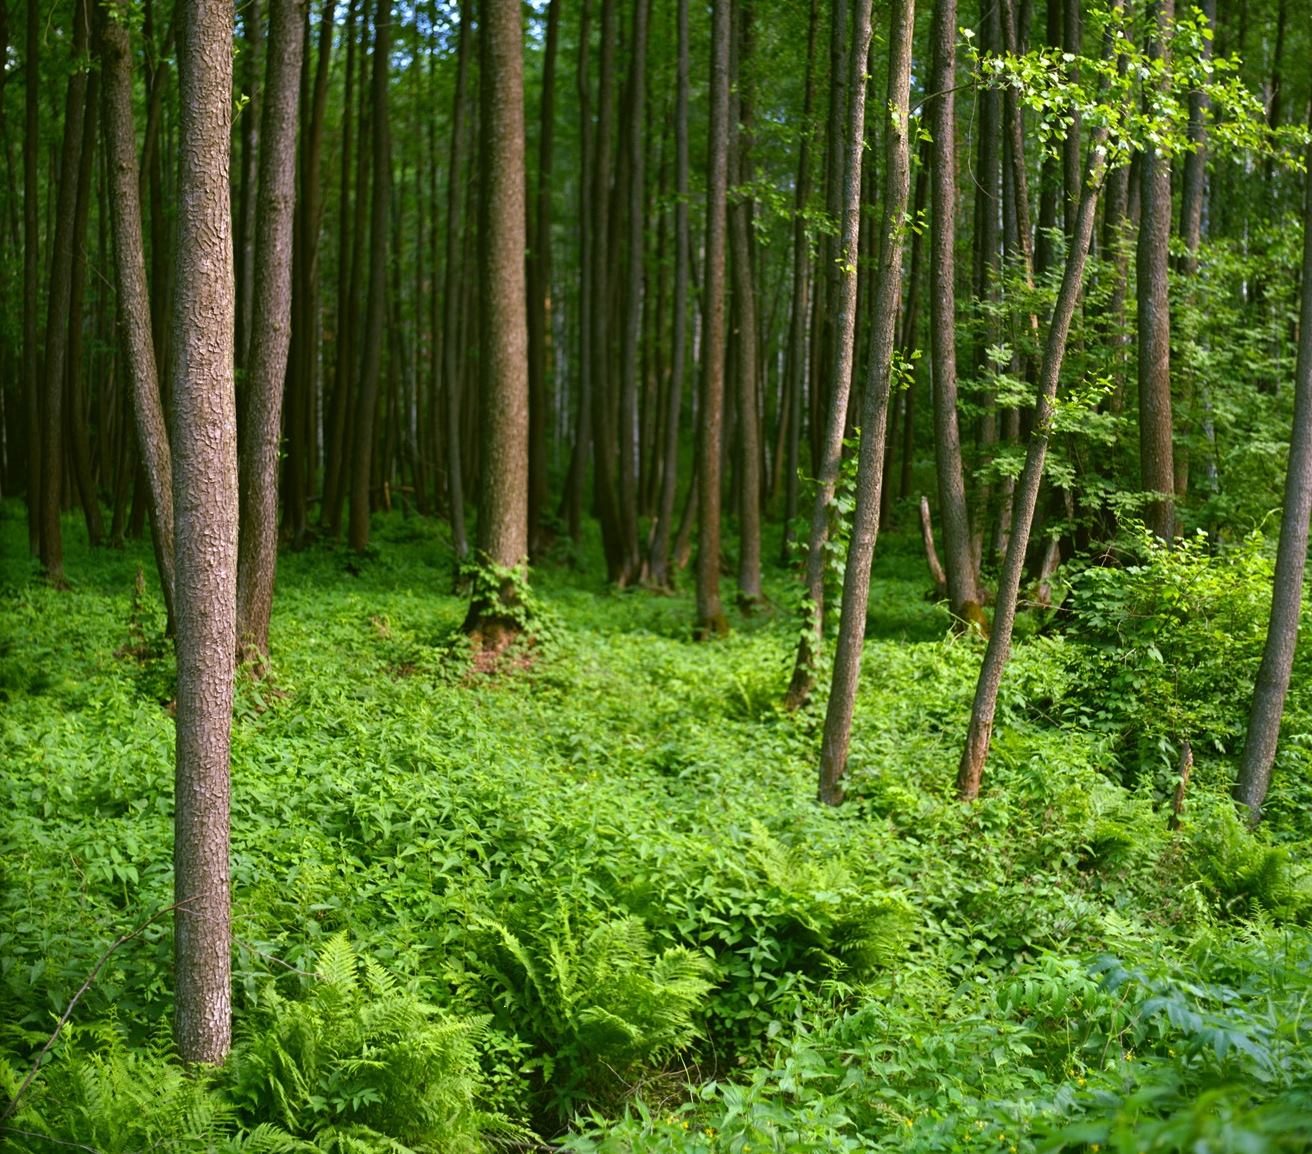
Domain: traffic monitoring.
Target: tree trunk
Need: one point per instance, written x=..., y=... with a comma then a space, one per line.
x=503, y=494
x=539, y=274
x=205, y=516
x=257, y=557
x=1282, y=631
x=252, y=54
x=133, y=295
x=971, y=769
x=711, y=621
x=874, y=414
x=362, y=457
x=1156, y=463
x=844, y=334
x=31, y=291
x=57, y=305
x=963, y=581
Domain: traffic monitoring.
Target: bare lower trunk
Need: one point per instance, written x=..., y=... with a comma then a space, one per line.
x=451, y=299
x=270, y=334
x=205, y=516
x=31, y=293
x=874, y=412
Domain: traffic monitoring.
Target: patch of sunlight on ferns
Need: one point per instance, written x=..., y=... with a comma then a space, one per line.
x=360, y=1065
x=603, y=1002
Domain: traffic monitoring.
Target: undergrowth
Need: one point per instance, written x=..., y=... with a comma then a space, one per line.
x=588, y=897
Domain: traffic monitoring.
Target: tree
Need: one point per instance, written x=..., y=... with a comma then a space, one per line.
x=874, y=414
x=271, y=323
x=1291, y=557
x=133, y=295
x=503, y=495
x=205, y=521
x=711, y=621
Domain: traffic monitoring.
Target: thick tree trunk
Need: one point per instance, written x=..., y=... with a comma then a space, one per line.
x=1282, y=631
x=711, y=621
x=973, y=757
x=57, y=305
x=257, y=557
x=874, y=414
x=362, y=456
x=1156, y=458
x=841, y=359
x=133, y=295
x=205, y=517
x=503, y=495
x=963, y=581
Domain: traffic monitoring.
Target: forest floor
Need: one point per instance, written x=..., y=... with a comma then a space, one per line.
x=590, y=899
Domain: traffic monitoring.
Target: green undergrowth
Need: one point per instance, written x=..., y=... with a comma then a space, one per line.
x=588, y=896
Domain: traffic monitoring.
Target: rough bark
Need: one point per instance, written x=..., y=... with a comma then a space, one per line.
x=711, y=621
x=841, y=359
x=1291, y=557
x=874, y=410
x=1156, y=458
x=270, y=336
x=503, y=364
x=205, y=518
x=362, y=456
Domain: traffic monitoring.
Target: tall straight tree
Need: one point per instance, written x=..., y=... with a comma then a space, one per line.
x=362, y=455
x=133, y=295
x=205, y=520
x=31, y=295
x=959, y=561
x=1291, y=557
x=503, y=365
x=874, y=413
x=659, y=559
x=844, y=334
x=271, y=323
x=58, y=301
x=1156, y=458
x=711, y=621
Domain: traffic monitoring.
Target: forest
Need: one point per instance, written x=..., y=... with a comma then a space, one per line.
x=639, y=577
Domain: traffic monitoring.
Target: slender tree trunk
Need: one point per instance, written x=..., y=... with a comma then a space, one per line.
x=539, y=274
x=1156, y=461
x=974, y=755
x=362, y=457
x=578, y=465
x=57, y=306
x=451, y=298
x=874, y=415
x=628, y=457
x=205, y=516
x=659, y=567
x=31, y=260
x=963, y=581
x=133, y=296
x=1282, y=631
x=844, y=333
x=711, y=621
x=257, y=557
x=252, y=56
x=503, y=495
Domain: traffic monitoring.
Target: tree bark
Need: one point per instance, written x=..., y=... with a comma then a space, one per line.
x=841, y=360
x=244, y=249
x=874, y=414
x=711, y=621
x=205, y=517
x=133, y=295
x=362, y=457
x=1291, y=557
x=963, y=580
x=503, y=495
x=270, y=336
x=1156, y=459
x=31, y=292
